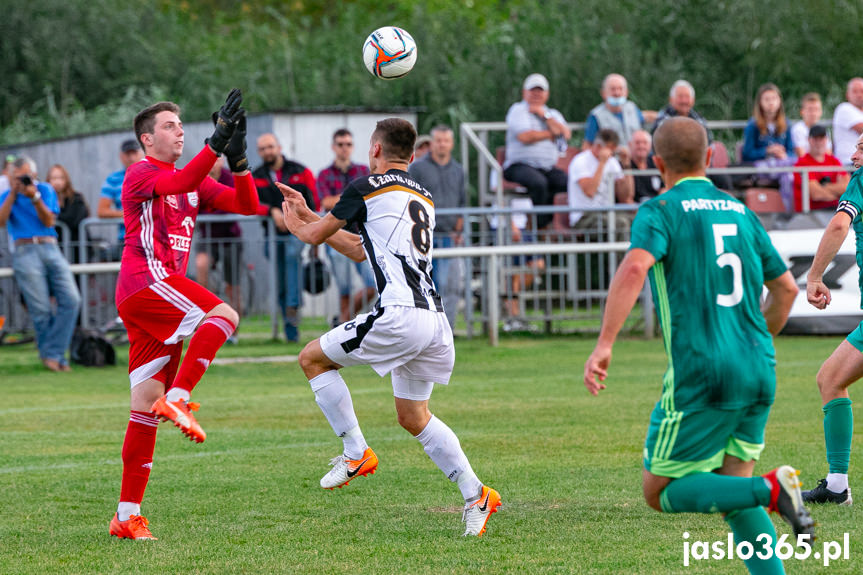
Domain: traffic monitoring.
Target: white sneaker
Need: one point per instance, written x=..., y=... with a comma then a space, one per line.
x=345, y=470
x=476, y=514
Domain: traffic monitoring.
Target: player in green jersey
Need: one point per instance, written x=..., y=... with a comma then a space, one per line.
x=845, y=364
x=708, y=258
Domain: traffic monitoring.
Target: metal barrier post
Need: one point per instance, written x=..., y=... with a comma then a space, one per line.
x=274, y=279
x=467, y=276
x=493, y=301
x=85, y=277
x=647, y=310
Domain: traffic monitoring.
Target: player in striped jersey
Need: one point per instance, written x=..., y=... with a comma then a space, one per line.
x=406, y=334
x=159, y=305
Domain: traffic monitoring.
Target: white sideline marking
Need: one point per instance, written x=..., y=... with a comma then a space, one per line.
x=265, y=359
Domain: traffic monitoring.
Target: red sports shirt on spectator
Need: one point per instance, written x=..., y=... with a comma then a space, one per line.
x=807, y=161
x=160, y=216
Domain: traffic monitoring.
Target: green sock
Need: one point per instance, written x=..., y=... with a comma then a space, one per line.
x=838, y=428
x=714, y=493
x=747, y=525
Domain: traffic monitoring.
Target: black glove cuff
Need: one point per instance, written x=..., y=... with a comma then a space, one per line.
x=238, y=164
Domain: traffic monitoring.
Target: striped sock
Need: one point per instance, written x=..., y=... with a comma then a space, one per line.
x=208, y=338
x=138, y=449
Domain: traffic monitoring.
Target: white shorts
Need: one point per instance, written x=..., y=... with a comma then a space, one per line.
x=414, y=344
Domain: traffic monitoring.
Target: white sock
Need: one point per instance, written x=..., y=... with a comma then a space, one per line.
x=334, y=399
x=355, y=443
x=126, y=509
x=178, y=393
x=837, y=482
x=442, y=446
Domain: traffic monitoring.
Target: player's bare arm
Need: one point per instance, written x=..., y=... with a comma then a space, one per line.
x=781, y=293
x=817, y=293
x=622, y=295
x=304, y=223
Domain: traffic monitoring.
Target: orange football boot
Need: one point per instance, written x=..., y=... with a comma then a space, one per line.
x=134, y=528
x=180, y=412
x=476, y=514
x=344, y=470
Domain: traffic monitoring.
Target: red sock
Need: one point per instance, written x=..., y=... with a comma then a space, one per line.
x=138, y=455
x=212, y=335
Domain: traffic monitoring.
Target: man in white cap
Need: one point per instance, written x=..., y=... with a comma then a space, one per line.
x=536, y=135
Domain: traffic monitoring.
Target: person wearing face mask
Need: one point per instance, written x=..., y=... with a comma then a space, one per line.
x=616, y=112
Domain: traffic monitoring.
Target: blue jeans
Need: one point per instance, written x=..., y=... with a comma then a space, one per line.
x=289, y=267
x=41, y=272
x=341, y=265
x=446, y=274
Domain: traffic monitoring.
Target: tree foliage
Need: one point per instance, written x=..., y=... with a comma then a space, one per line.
x=81, y=66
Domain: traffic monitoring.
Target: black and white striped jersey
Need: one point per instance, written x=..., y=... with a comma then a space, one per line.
x=395, y=216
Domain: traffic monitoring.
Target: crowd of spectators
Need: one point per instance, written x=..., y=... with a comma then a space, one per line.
x=617, y=138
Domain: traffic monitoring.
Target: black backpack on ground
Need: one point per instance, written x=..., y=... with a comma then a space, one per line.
x=90, y=348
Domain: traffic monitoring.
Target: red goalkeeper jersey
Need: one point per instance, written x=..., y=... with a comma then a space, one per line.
x=160, y=206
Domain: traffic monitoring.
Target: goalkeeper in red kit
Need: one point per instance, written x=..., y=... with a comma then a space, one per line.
x=158, y=304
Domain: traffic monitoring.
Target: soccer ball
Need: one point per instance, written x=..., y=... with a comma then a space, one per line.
x=389, y=53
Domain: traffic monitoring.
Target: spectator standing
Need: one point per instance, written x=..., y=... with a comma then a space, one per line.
x=441, y=175
x=637, y=156
x=810, y=114
x=536, y=135
x=825, y=188
x=332, y=180
x=221, y=241
x=73, y=208
x=277, y=168
x=595, y=180
x=528, y=267
x=110, y=205
x=615, y=113
x=766, y=135
x=681, y=102
x=848, y=121
x=7, y=169
x=29, y=210
x=422, y=147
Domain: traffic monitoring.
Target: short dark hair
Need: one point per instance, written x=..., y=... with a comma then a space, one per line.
x=341, y=133
x=397, y=138
x=681, y=142
x=608, y=137
x=441, y=128
x=145, y=120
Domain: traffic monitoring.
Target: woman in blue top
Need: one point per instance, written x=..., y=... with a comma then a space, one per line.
x=767, y=135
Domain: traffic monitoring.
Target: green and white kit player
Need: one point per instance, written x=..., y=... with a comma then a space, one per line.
x=845, y=364
x=708, y=258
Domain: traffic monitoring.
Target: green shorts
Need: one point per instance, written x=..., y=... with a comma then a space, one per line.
x=855, y=338
x=682, y=442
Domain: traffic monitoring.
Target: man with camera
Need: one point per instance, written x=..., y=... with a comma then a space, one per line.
x=28, y=209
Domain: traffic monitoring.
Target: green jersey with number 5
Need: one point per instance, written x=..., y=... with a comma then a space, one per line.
x=712, y=259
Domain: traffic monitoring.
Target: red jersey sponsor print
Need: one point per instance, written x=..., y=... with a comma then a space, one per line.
x=159, y=228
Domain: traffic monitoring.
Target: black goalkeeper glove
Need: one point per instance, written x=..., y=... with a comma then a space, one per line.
x=226, y=121
x=235, y=151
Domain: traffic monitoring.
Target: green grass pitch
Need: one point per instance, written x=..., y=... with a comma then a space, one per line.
x=567, y=465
